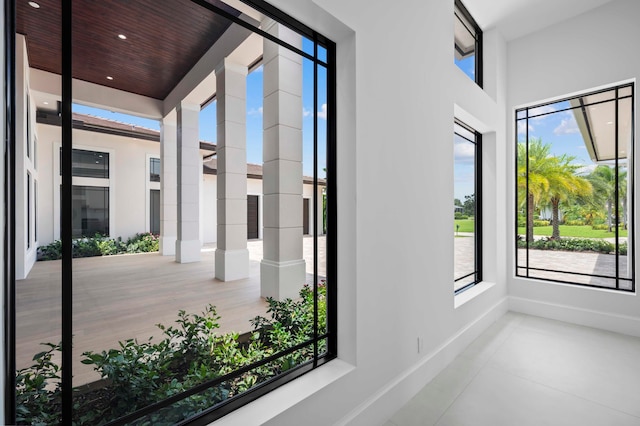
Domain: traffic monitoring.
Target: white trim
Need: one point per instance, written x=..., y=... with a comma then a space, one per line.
x=391, y=397
x=591, y=318
x=470, y=294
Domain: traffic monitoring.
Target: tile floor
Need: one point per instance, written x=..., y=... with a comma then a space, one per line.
x=527, y=370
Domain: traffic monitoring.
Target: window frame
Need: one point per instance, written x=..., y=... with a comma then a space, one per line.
x=212, y=413
x=479, y=78
x=477, y=167
x=630, y=176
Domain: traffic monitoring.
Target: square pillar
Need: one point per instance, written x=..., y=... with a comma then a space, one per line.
x=168, y=185
x=189, y=164
x=232, y=256
x=282, y=270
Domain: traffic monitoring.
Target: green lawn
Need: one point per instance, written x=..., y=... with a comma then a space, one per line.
x=466, y=225
x=583, y=231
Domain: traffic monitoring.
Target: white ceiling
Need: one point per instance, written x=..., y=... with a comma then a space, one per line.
x=516, y=18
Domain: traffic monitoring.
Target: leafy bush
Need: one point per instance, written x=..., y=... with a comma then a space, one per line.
x=102, y=246
x=574, y=222
x=189, y=353
x=600, y=227
x=537, y=223
x=571, y=244
x=460, y=216
x=38, y=390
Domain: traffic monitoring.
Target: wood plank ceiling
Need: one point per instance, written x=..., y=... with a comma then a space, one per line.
x=164, y=40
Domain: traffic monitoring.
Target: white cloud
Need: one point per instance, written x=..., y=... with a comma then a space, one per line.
x=464, y=151
x=255, y=111
x=567, y=127
x=585, y=170
x=545, y=109
x=323, y=112
x=522, y=128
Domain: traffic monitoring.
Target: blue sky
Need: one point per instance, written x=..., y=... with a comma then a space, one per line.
x=254, y=115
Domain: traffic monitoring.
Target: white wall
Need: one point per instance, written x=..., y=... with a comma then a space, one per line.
x=591, y=50
x=25, y=134
x=397, y=86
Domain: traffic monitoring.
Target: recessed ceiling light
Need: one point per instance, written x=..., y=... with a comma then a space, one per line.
x=109, y=77
x=609, y=122
x=122, y=36
x=34, y=5
x=46, y=103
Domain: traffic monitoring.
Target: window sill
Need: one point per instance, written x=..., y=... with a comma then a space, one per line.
x=283, y=398
x=470, y=294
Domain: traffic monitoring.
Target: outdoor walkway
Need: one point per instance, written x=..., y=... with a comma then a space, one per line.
x=122, y=297
x=580, y=262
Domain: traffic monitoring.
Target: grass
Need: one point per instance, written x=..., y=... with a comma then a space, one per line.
x=584, y=231
x=466, y=225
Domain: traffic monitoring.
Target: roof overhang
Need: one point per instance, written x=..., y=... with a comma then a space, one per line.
x=595, y=115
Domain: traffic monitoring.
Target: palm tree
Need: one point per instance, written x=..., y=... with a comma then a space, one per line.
x=550, y=179
x=533, y=180
x=564, y=184
x=603, y=180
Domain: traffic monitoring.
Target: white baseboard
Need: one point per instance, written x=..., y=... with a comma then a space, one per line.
x=597, y=319
x=390, y=398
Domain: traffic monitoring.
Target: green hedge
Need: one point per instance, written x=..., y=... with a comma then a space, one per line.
x=102, y=246
x=574, y=244
x=188, y=353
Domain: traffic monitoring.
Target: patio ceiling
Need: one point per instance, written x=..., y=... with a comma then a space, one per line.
x=164, y=40
x=596, y=116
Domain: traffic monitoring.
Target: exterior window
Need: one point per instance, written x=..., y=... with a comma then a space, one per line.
x=467, y=207
x=90, y=164
x=35, y=210
x=574, y=195
x=208, y=355
x=28, y=218
x=90, y=211
x=468, y=43
x=154, y=169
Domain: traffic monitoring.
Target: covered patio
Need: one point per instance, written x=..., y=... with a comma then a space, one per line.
x=124, y=297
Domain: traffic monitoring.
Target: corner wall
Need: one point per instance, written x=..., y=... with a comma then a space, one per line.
x=398, y=327
x=588, y=51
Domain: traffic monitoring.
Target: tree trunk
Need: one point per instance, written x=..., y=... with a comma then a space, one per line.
x=555, y=217
x=530, y=218
x=609, y=214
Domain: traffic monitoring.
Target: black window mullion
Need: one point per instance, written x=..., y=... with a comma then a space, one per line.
x=66, y=217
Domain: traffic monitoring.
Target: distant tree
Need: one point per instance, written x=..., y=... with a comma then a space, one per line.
x=603, y=180
x=469, y=206
x=457, y=202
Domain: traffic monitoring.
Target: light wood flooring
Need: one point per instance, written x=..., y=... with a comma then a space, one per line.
x=121, y=297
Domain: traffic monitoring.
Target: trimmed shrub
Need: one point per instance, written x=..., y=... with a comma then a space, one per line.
x=537, y=223
x=571, y=244
x=574, y=222
x=460, y=216
x=102, y=246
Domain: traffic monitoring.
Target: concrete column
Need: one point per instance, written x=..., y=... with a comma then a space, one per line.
x=189, y=162
x=282, y=270
x=168, y=185
x=232, y=256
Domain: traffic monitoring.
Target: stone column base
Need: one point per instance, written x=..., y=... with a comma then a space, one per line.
x=282, y=280
x=188, y=251
x=167, y=246
x=232, y=264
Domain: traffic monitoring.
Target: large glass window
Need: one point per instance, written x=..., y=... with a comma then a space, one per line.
x=574, y=196
x=158, y=339
x=90, y=211
x=467, y=207
x=467, y=43
x=28, y=216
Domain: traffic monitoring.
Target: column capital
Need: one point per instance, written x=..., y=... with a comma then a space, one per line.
x=227, y=64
